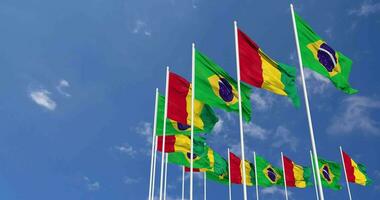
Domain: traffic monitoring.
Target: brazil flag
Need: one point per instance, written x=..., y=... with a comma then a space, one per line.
x=207, y=119
x=216, y=88
x=322, y=58
x=267, y=175
x=330, y=174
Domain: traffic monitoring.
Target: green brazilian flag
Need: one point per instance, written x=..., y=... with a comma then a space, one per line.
x=267, y=175
x=216, y=88
x=173, y=127
x=322, y=58
x=330, y=174
x=204, y=158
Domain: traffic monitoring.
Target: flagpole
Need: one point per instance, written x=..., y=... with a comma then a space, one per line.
x=240, y=111
x=229, y=175
x=345, y=173
x=256, y=179
x=313, y=145
x=183, y=182
x=204, y=186
x=153, y=144
x=283, y=168
x=154, y=167
x=166, y=174
x=192, y=117
x=163, y=131
x=314, y=176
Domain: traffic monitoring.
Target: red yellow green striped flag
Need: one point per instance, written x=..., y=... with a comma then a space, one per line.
x=356, y=173
x=259, y=70
x=178, y=143
x=236, y=169
x=296, y=175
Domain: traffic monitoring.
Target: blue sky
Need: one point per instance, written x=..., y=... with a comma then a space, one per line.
x=78, y=79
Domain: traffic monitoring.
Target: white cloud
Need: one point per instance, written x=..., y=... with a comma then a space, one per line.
x=41, y=97
x=218, y=126
x=274, y=190
x=329, y=32
x=145, y=129
x=366, y=8
x=255, y=131
x=261, y=101
x=91, y=185
x=315, y=82
x=141, y=27
x=282, y=137
x=60, y=87
x=356, y=115
x=130, y=180
x=126, y=149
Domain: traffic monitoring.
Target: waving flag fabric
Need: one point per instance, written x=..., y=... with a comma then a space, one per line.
x=322, y=58
x=330, y=174
x=259, y=70
x=216, y=88
x=296, y=175
x=173, y=127
x=178, y=143
x=356, y=173
x=267, y=175
x=236, y=168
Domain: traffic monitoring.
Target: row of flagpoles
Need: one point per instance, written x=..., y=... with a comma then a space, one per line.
x=163, y=168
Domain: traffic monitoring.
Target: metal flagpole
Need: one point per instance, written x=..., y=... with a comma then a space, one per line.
x=153, y=145
x=256, y=179
x=204, y=186
x=166, y=175
x=164, y=131
x=229, y=176
x=283, y=168
x=192, y=118
x=314, y=148
x=154, y=167
x=183, y=182
x=345, y=173
x=240, y=111
x=314, y=176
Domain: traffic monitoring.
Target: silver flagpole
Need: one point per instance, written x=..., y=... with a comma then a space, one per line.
x=153, y=145
x=164, y=133
x=283, y=168
x=154, y=167
x=229, y=175
x=204, y=186
x=314, y=176
x=183, y=182
x=192, y=118
x=256, y=179
x=240, y=110
x=166, y=175
x=313, y=145
x=345, y=173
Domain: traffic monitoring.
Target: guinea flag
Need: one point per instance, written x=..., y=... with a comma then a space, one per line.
x=236, y=170
x=267, y=175
x=259, y=70
x=296, y=175
x=356, y=173
x=330, y=174
x=320, y=57
x=207, y=116
x=178, y=143
x=216, y=88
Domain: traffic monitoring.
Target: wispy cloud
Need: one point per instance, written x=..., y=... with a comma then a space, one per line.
x=130, y=180
x=41, y=97
x=126, y=149
x=365, y=9
x=275, y=190
x=218, y=126
x=316, y=83
x=145, y=129
x=91, y=185
x=283, y=137
x=255, y=131
x=329, y=32
x=140, y=27
x=61, y=86
x=356, y=115
x=261, y=100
